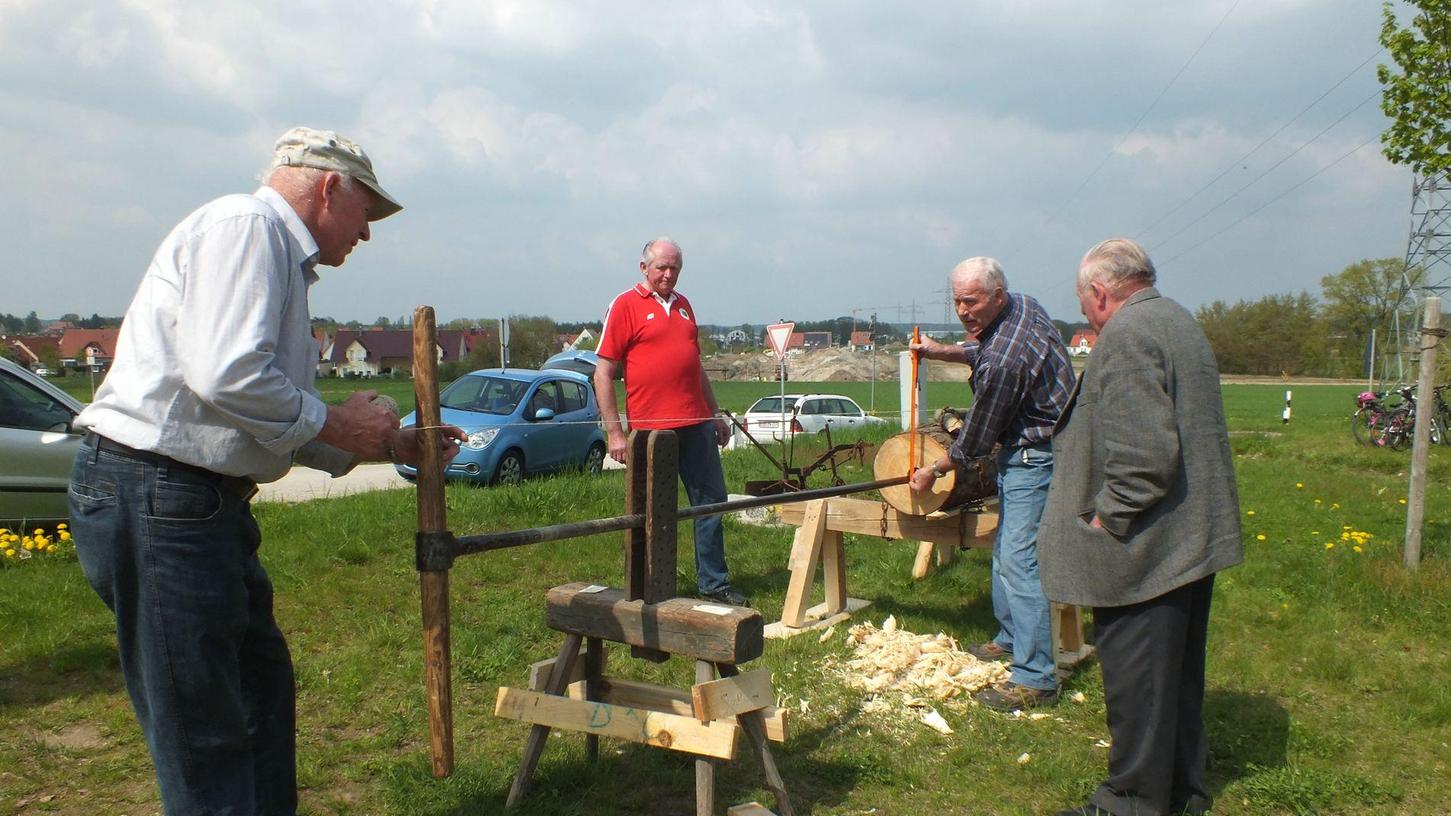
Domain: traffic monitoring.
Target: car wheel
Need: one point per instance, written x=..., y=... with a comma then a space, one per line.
x=510, y=470
x=594, y=461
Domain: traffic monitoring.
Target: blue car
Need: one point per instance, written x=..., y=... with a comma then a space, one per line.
x=520, y=422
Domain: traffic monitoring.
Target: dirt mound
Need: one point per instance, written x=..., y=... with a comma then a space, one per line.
x=823, y=365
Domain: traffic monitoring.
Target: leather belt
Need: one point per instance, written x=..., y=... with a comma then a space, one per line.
x=239, y=486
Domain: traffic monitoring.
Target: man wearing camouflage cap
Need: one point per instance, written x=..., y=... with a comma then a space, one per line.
x=210, y=393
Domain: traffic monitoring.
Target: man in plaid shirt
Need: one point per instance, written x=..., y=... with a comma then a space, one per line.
x=1021, y=381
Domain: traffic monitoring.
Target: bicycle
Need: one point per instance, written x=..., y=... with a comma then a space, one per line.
x=1381, y=425
x=1440, y=416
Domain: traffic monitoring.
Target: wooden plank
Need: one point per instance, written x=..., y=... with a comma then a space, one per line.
x=661, y=524
x=749, y=809
x=833, y=570
x=638, y=694
x=922, y=564
x=815, y=618
x=805, y=552
x=685, y=734
x=682, y=626
x=539, y=671
x=727, y=697
x=755, y=734
x=534, y=744
x=866, y=517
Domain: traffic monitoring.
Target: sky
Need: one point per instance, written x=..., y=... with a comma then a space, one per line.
x=812, y=159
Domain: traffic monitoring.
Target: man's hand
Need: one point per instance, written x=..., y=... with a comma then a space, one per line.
x=360, y=427
x=618, y=443
x=406, y=449
x=930, y=349
x=923, y=478
x=722, y=431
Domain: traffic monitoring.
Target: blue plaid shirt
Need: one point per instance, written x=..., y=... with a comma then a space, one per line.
x=1021, y=381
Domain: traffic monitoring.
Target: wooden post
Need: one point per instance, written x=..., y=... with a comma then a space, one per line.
x=661, y=524
x=432, y=519
x=1430, y=338
x=594, y=667
x=704, y=767
x=636, y=499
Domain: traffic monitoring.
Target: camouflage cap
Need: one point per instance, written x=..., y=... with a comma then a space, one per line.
x=326, y=150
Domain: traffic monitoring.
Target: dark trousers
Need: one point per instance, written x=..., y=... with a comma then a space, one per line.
x=172, y=551
x=704, y=482
x=1152, y=656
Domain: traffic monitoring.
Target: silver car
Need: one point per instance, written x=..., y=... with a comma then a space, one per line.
x=38, y=441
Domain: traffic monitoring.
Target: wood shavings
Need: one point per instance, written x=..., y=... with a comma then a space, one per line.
x=825, y=636
x=1025, y=758
x=934, y=721
x=894, y=660
x=1077, y=697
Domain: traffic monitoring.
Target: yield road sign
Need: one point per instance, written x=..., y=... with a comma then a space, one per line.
x=779, y=336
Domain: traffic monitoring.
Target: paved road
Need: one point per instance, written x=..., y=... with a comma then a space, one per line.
x=305, y=484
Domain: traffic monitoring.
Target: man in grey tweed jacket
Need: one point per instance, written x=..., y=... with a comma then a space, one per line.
x=1141, y=514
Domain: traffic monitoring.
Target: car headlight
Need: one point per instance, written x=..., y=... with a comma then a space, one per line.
x=478, y=440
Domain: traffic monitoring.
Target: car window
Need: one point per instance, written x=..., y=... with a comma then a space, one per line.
x=846, y=407
x=767, y=405
x=489, y=395
x=24, y=406
x=571, y=396
x=814, y=406
x=576, y=365
x=546, y=396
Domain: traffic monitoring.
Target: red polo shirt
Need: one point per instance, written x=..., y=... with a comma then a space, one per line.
x=660, y=351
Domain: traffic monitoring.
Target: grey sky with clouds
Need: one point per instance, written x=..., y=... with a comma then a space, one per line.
x=810, y=158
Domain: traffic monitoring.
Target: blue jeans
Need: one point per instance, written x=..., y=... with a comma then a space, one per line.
x=172, y=551
x=704, y=482
x=1018, y=601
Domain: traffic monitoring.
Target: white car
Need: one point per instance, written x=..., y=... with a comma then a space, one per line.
x=38, y=441
x=805, y=413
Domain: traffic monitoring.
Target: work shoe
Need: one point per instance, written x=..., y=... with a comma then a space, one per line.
x=1010, y=696
x=989, y=651
x=727, y=596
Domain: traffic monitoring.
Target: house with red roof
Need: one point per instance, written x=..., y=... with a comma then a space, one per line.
x=88, y=348
x=383, y=353
x=861, y=341
x=1082, y=342
x=31, y=350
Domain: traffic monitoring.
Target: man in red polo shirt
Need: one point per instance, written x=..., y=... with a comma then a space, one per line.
x=649, y=337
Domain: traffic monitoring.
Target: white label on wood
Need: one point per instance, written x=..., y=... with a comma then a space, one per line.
x=712, y=609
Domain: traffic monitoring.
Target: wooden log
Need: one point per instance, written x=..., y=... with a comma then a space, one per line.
x=897, y=456
x=727, y=697
x=681, y=626
x=639, y=694
x=687, y=734
x=432, y=518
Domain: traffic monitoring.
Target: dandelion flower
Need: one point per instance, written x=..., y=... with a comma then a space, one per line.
x=51, y=548
x=1317, y=501
x=1299, y=485
x=65, y=535
x=1249, y=512
x=62, y=526
x=1260, y=537
x=1330, y=545
x=1402, y=501
x=1334, y=506
x=10, y=553
x=1357, y=548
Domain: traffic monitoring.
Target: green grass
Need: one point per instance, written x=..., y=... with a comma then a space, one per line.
x=1327, y=688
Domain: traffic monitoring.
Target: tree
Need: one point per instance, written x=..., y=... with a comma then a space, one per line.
x=1275, y=335
x=1418, y=99
x=1366, y=296
x=32, y=324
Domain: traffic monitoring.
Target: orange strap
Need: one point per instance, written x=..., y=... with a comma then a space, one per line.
x=916, y=369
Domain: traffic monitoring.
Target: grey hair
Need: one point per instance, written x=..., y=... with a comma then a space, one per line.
x=308, y=176
x=982, y=270
x=648, y=253
x=1115, y=263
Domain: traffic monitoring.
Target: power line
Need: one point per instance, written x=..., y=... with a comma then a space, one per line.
x=1143, y=115
x=1141, y=234
x=1251, y=213
x=1268, y=170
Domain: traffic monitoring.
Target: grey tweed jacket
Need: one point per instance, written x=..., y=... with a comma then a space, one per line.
x=1143, y=446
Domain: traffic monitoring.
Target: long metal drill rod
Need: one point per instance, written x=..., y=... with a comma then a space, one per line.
x=469, y=545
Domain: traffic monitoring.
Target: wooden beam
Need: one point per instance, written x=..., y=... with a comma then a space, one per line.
x=704, y=768
x=866, y=517
x=534, y=744
x=685, y=734
x=805, y=552
x=681, y=626
x=727, y=697
x=639, y=694
x=539, y=671
x=661, y=525
x=635, y=501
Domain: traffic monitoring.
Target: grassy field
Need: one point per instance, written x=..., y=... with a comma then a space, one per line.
x=1328, y=667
